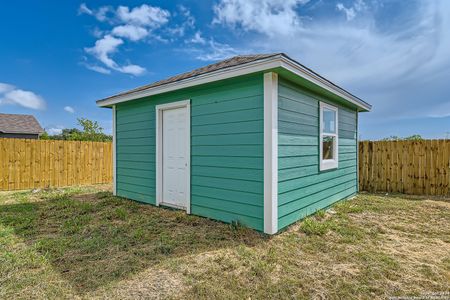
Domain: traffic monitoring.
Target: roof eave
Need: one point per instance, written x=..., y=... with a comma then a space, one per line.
x=19, y=132
x=226, y=73
x=318, y=80
x=248, y=68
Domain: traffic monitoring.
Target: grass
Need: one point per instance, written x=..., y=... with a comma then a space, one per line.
x=85, y=243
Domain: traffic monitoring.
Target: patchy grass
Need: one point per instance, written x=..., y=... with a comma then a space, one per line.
x=85, y=243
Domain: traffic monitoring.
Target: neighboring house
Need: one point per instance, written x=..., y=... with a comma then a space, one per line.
x=19, y=126
x=258, y=139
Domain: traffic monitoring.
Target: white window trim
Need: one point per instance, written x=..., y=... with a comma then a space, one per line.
x=159, y=151
x=327, y=164
x=270, y=153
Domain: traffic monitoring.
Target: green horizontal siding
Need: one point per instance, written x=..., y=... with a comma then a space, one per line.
x=226, y=149
x=302, y=188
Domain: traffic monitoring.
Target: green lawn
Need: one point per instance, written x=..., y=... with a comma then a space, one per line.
x=85, y=243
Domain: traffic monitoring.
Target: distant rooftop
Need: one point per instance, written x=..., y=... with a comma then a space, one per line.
x=14, y=123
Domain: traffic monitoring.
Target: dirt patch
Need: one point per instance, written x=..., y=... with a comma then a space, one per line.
x=149, y=284
x=85, y=243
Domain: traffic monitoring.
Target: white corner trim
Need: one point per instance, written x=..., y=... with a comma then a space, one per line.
x=327, y=164
x=159, y=151
x=357, y=151
x=270, y=153
x=114, y=150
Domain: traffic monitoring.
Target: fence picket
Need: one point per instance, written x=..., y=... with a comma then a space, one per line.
x=27, y=164
x=410, y=167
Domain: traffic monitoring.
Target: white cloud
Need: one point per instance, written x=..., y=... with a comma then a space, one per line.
x=198, y=39
x=97, y=69
x=96, y=32
x=351, y=12
x=131, y=32
x=69, y=109
x=401, y=66
x=103, y=50
x=52, y=130
x=271, y=17
x=188, y=22
x=5, y=87
x=83, y=9
x=133, y=24
x=145, y=15
x=132, y=70
x=213, y=51
x=100, y=13
x=11, y=95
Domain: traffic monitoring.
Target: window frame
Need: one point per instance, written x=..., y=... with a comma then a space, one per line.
x=327, y=164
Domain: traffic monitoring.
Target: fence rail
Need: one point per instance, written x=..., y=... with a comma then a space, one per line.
x=27, y=164
x=409, y=167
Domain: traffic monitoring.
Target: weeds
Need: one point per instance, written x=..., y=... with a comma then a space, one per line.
x=85, y=243
x=311, y=226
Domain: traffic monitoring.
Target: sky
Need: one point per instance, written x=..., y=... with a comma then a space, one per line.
x=57, y=60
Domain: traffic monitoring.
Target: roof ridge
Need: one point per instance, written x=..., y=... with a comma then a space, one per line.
x=237, y=64
x=223, y=64
x=16, y=114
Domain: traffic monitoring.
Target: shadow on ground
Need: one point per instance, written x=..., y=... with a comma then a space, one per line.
x=94, y=239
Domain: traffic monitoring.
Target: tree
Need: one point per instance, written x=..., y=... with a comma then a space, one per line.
x=414, y=137
x=44, y=136
x=91, y=131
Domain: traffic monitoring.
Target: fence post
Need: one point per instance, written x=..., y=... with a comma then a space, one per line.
x=27, y=164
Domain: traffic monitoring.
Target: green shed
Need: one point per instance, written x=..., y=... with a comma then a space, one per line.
x=257, y=139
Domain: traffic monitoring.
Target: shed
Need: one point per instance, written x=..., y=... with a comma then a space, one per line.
x=19, y=126
x=257, y=139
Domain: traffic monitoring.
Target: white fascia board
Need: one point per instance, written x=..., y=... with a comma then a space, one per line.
x=227, y=73
x=252, y=67
x=270, y=153
x=317, y=80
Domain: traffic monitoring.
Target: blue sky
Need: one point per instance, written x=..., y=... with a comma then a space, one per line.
x=56, y=60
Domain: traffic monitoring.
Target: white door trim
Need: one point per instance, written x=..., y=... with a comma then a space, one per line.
x=159, y=151
x=270, y=153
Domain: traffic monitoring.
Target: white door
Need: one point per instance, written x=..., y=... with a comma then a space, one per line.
x=175, y=157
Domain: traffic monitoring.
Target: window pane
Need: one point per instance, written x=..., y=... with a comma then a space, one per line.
x=328, y=147
x=329, y=120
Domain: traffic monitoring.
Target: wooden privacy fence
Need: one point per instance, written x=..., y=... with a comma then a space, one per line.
x=409, y=167
x=26, y=164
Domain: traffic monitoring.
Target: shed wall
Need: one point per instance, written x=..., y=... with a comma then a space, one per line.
x=302, y=188
x=226, y=149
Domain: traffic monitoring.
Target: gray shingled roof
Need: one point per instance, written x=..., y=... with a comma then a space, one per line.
x=230, y=62
x=13, y=123
x=224, y=64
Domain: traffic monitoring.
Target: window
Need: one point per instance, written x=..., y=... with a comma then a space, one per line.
x=328, y=136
